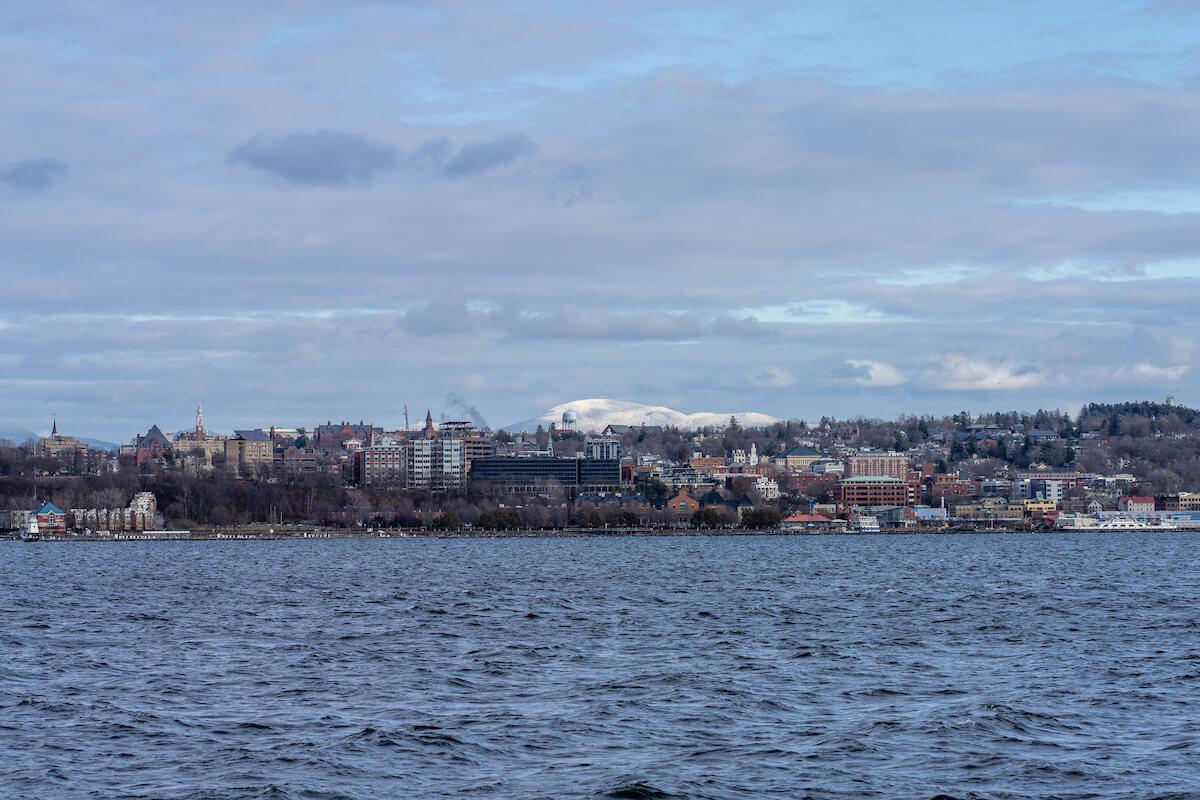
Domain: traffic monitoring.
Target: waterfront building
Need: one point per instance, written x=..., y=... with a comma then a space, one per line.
x=51, y=520
x=1136, y=505
x=141, y=515
x=874, y=490
x=539, y=474
x=683, y=503
x=1179, y=501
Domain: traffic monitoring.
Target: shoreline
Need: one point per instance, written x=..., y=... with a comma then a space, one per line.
x=235, y=535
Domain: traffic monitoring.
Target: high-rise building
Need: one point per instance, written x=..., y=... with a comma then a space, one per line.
x=475, y=444
x=436, y=464
x=602, y=449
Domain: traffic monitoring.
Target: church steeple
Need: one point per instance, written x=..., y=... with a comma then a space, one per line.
x=54, y=427
x=429, y=432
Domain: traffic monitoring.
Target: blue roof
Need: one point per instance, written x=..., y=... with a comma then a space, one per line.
x=49, y=508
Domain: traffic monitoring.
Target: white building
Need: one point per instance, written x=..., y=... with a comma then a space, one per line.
x=602, y=449
x=436, y=463
x=768, y=488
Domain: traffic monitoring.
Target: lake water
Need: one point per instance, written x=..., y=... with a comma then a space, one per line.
x=1000, y=666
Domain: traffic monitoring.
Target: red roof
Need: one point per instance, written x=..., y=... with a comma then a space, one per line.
x=806, y=518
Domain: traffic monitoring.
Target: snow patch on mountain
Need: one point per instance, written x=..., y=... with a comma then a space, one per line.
x=594, y=415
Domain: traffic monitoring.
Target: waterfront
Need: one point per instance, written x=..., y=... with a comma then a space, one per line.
x=710, y=667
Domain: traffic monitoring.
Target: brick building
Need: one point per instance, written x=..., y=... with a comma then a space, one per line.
x=874, y=490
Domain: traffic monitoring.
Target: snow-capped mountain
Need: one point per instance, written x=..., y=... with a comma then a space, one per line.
x=594, y=415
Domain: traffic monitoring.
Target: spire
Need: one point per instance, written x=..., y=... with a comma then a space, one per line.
x=429, y=432
x=54, y=428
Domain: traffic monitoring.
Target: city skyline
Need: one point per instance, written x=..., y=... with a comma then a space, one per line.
x=849, y=209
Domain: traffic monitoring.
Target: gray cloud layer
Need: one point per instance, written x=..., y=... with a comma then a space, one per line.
x=472, y=158
x=38, y=173
x=323, y=158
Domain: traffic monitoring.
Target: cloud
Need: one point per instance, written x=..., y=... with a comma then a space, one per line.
x=742, y=327
x=472, y=158
x=323, y=158
x=961, y=372
x=1149, y=371
x=442, y=317
x=34, y=174
x=864, y=372
x=588, y=323
x=774, y=378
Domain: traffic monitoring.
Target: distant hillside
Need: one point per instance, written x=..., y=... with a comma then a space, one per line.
x=99, y=444
x=19, y=435
x=15, y=433
x=596, y=414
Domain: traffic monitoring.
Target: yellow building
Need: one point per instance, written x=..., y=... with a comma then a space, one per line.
x=246, y=450
x=1040, y=507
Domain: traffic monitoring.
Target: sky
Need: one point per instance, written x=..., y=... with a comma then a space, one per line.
x=299, y=211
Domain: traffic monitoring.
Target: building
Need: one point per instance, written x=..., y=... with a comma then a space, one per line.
x=154, y=445
x=65, y=448
x=475, y=444
x=874, y=490
x=867, y=464
x=436, y=464
x=605, y=448
x=799, y=459
x=141, y=515
x=802, y=522
x=767, y=488
x=293, y=461
x=1039, y=506
x=51, y=520
x=683, y=503
x=331, y=436
x=245, y=451
x=1136, y=505
x=707, y=465
x=381, y=464
x=1181, y=501
x=541, y=473
x=198, y=444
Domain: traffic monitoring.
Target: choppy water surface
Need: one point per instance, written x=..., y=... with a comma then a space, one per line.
x=732, y=667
